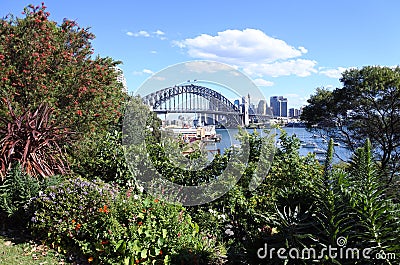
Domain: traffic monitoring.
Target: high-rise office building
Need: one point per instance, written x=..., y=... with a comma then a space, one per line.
x=294, y=113
x=262, y=107
x=284, y=108
x=279, y=106
x=121, y=79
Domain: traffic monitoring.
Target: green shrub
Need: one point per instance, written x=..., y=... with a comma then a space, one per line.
x=95, y=220
x=67, y=215
x=45, y=61
x=158, y=233
x=102, y=158
x=16, y=192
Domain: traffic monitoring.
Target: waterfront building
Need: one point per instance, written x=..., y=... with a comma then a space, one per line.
x=279, y=106
x=262, y=107
x=294, y=113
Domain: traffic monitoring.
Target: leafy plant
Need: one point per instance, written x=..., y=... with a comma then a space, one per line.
x=68, y=217
x=109, y=226
x=47, y=61
x=33, y=140
x=378, y=218
x=16, y=192
x=102, y=158
x=158, y=233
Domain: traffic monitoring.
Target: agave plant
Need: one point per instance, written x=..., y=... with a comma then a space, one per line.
x=33, y=140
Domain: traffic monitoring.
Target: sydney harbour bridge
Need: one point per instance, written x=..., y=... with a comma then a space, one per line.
x=211, y=106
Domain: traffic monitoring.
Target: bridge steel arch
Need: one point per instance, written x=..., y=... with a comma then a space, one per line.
x=155, y=99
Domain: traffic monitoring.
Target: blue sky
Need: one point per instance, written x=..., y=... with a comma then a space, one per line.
x=286, y=47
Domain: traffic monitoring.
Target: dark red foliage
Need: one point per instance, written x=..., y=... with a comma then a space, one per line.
x=34, y=141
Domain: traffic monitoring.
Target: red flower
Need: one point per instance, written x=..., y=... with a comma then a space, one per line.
x=79, y=112
x=104, y=209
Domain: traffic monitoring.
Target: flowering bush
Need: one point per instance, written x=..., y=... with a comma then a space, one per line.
x=158, y=233
x=106, y=226
x=45, y=61
x=70, y=215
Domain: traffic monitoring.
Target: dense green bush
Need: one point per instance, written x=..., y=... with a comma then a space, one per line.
x=107, y=226
x=48, y=62
x=103, y=158
x=67, y=215
x=16, y=192
x=160, y=233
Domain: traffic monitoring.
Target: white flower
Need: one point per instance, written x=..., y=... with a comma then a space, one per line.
x=221, y=216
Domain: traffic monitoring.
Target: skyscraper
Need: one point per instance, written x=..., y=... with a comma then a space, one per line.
x=279, y=106
x=284, y=109
x=262, y=107
x=121, y=79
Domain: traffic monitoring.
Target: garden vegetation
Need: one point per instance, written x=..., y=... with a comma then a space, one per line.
x=65, y=181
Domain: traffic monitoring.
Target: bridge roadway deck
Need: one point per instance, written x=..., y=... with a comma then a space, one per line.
x=202, y=111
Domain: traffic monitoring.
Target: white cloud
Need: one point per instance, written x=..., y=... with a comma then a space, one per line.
x=250, y=49
x=295, y=100
x=143, y=33
x=262, y=82
x=207, y=67
x=144, y=71
x=153, y=52
x=178, y=44
x=159, y=32
x=299, y=67
x=248, y=45
x=302, y=49
x=147, y=71
x=334, y=73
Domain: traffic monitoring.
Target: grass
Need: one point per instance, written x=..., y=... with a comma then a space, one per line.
x=14, y=250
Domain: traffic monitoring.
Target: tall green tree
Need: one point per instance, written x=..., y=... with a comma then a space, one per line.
x=367, y=106
x=42, y=61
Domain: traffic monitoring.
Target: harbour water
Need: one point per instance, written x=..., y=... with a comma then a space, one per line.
x=314, y=142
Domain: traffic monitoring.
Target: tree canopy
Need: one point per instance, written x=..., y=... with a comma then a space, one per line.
x=44, y=62
x=367, y=106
